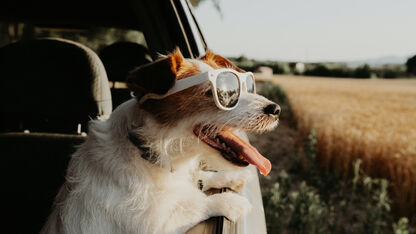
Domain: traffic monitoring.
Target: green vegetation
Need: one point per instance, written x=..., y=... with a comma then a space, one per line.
x=390, y=71
x=306, y=198
x=337, y=70
x=252, y=65
x=411, y=65
x=342, y=70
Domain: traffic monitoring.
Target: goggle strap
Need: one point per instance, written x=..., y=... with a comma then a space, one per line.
x=179, y=86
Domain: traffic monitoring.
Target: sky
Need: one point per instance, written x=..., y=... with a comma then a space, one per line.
x=310, y=30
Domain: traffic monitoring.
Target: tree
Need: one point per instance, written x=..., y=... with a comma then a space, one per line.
x=411, y=65
x=363, y=72
x=318, y=70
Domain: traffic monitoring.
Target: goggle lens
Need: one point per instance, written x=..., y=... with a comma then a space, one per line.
x=228, y=89
x=250, y=84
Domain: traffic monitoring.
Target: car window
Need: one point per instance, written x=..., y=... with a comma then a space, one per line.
x=194, y=27
x=94, y=37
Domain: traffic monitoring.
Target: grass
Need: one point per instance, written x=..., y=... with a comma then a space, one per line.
x=371, y=120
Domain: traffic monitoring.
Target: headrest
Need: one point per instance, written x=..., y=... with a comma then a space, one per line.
x=51, y=85
x=121, y=57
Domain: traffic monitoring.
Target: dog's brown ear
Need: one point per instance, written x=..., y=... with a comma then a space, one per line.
x=217, y=61
x=157, y=77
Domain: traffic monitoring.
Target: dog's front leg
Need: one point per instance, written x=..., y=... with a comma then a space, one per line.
x=196, y=207
x=233, y=179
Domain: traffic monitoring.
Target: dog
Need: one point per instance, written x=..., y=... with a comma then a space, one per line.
x=145, y=169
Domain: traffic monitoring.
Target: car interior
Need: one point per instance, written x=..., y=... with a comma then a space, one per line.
x=61, y=68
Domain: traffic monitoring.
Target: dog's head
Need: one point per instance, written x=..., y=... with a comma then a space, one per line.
x=194, y=110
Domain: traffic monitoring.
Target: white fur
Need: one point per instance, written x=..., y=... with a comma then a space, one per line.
x=110, y=188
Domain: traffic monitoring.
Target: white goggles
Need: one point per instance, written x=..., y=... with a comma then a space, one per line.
x=226, y=85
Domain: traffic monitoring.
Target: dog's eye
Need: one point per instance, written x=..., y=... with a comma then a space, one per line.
x=208, y=93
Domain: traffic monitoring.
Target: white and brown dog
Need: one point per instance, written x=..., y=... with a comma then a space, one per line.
x=139, y=171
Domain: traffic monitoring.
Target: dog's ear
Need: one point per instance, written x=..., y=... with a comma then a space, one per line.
x=217, y=61
x=157, y=77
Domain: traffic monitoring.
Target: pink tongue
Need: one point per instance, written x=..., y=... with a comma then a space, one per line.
x=246, y=150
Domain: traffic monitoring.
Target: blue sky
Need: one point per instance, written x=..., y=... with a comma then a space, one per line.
x=310, y=30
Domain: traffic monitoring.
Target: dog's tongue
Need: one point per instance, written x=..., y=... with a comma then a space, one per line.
x=243, y=148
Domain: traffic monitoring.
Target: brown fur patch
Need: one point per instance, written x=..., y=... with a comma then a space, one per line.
x=216, y=61
x=187, y=69
x=157, y=77
x=177, y=59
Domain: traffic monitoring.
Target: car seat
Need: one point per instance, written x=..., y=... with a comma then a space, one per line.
x=50, y=89
x=119, y=59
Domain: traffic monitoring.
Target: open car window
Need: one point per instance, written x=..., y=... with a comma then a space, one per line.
x=94, y=37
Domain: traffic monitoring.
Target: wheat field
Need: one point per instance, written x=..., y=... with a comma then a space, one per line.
x=374, y=120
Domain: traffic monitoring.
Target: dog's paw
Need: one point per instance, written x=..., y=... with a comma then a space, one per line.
x=234, y=180
x=230, y=205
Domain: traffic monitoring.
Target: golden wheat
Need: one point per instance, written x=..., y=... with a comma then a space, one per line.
x=374, y=120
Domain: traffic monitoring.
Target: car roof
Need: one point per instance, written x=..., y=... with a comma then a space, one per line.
x=74, y=13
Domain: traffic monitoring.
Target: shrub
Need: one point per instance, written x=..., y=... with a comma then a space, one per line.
x=402, y=226
x=319, y=70
x=411, y=65
x=338, y=70
x=362, y=72
x=252, y=65
x=390, y=71
x=311, y=200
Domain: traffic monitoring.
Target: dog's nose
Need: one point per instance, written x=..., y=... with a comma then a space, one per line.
x=272, y=109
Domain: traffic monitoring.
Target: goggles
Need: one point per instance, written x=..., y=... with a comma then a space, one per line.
x=226, y=86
